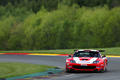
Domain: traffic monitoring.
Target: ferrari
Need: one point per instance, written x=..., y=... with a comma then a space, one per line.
x=87, y=60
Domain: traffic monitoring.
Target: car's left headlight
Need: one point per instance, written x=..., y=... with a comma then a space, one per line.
x=95, y=61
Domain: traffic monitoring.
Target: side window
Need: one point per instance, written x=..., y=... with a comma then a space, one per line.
x=97, y=54
x=76, y=54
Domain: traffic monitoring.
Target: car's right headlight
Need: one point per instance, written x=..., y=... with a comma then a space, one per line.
x=72, y=61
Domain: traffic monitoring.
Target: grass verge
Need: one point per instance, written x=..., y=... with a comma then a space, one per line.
x=8, y=69
x=108, y=51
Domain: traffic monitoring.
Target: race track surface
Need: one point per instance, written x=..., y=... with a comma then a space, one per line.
x=113, y=72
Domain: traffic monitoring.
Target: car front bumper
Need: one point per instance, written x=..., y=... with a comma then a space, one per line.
x=84, y=67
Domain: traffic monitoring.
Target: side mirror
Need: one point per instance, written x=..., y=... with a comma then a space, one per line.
x=104, y=56
x=69, y=56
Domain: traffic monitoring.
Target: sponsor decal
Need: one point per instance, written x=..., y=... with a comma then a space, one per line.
x=84, y=62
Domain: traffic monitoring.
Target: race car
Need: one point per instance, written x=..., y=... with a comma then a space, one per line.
x=87, y=60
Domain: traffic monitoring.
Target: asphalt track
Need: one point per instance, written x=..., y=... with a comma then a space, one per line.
x=113, y=72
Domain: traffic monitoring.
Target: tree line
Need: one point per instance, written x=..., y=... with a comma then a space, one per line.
x=68, y=25
x=35, y=5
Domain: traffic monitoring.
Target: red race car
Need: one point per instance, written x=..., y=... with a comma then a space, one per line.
x=87, y=60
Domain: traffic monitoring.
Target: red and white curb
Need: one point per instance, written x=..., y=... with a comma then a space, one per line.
x=45, y=54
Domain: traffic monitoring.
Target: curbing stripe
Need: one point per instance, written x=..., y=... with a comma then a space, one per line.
x=46, y=54
x=63, y=54
x=112, y=56
x=1, y=53
x=16, y=53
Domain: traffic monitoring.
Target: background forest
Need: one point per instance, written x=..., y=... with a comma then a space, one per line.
x=59, y=24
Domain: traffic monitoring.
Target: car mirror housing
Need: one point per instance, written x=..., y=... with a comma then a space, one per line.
x=69, y=56
x=104, y=56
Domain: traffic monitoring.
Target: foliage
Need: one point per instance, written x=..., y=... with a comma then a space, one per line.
x=71, y=27
x=26, y=26
x=50, y=5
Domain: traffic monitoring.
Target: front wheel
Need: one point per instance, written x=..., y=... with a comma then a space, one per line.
x=103, y=70
x=106, y=69
x=67, y=70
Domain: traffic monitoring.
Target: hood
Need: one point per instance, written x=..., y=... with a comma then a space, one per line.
x=85, y=60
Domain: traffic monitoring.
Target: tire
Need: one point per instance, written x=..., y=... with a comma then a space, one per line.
x=102, y=71
x=106, y=69
x=67, y=70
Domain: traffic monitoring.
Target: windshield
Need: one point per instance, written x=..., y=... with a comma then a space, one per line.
x=86, y=54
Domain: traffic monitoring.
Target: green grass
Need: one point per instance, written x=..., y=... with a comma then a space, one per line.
x=8, y=69
x=108, y=51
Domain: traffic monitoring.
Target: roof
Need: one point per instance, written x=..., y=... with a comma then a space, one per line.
x=87, y=50
x=92, y=50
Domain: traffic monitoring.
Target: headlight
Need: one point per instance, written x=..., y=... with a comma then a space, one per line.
x=72, y=61
x=95, y=61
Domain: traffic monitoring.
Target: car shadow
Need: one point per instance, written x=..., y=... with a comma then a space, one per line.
x=85, y=72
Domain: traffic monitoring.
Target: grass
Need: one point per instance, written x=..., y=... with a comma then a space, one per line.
x=108, y=51
x=8, y=69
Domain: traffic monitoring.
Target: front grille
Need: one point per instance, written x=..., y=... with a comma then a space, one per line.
x=84, y=67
